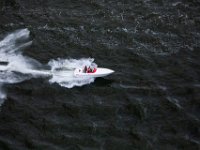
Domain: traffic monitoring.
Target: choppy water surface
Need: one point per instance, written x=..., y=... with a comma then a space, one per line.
x=150, y=102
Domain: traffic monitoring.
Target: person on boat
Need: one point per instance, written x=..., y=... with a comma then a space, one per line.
x=94, y=70
x=88, y=70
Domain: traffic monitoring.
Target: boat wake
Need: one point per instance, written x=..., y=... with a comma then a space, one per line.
x=66, y=78
x=20, y=68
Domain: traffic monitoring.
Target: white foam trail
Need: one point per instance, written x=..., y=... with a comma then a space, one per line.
x=9, y=46
x=66, y=78
x=9, y=52
x=26, y=67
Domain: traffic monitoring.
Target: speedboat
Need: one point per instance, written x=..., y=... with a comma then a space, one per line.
x=99, y=72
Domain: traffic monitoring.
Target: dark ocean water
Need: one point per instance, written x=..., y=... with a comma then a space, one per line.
x=152, y=101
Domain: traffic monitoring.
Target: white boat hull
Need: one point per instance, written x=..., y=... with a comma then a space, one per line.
x=100, y=72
